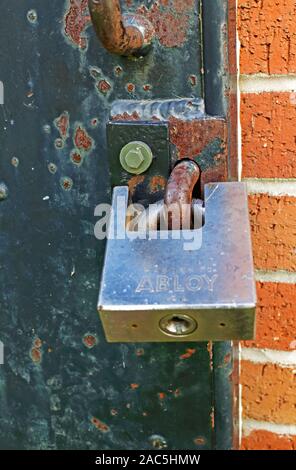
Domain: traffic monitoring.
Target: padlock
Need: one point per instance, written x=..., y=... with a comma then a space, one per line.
x=191, y=284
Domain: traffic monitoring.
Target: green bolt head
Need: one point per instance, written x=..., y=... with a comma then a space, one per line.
x=136, y=157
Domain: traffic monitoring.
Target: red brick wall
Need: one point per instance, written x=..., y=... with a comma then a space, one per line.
x=267, y=33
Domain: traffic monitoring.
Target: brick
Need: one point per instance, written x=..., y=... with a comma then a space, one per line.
x=269, y=392
x=265, y=440
x=267, y=31
x=276, y=319
x=269, y=135
x=273, y=222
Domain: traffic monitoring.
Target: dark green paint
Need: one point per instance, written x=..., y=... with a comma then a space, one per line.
x=50, y=260
x=206, y=159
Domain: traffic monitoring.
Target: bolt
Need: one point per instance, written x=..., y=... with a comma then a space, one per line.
x=3, y=191
x=136, y=157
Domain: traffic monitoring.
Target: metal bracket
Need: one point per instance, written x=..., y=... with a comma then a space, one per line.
x=147, y=187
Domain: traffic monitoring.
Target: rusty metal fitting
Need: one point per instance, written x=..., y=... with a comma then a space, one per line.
x=120, y=34
x=178, y=195
x=179, y=210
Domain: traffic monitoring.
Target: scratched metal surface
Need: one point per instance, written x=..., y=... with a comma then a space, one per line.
x=62, y=386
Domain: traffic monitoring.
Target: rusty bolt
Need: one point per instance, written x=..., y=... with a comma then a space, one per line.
x=136, y=157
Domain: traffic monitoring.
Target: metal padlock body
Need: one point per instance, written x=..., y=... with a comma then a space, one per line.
x=147, y=282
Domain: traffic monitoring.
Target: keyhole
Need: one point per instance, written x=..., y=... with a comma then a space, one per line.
x=178, y=325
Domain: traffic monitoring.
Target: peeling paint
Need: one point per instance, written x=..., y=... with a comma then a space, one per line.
x=59, y=144
x=15, y=162
x=188, y=354
x=104, y=86
x=157, y=183
x=118, y=70
x=199, y=441
x=82, y=140
x=66, y=183
x=62, y=124
x=134, y=386
x=76, y=158
x=130, y=88
x=134, y=182
x=171, y=19
x=76, y=20
x=36, y=355
x=90, y=340
x=52, y=168
x=32, y=16
x=100, y=425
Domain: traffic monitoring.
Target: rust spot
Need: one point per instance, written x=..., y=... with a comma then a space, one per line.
x=127, y=117
x=37, y=343
x=66, y=183
x=59, y=143
x=82, y=140
x=76, y=158
x=140, y=352
x=199, y=441
x=94, y=122
x=188, y=354
x=227, y=358
x=171, y=20
x=76, y=20
x=134, y=386
x=190, y=137
x=177, y=393
x=118, y=71
x=90, y=341
x=104, y=86
x=157, y=183
x=133, y=183
x=100, y=425
x=213, y=419
x=193, y=80
x=36, y=355
x=161, y=395
x=147, y=87
x=62, y=124
x=130, y=87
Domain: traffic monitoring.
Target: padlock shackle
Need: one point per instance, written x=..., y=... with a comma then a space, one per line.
x=179, y=190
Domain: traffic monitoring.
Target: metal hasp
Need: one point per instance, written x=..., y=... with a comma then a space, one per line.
x=120, y=34
x=191, y=285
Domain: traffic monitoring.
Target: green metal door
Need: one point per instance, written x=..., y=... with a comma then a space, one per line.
x=62, y=386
